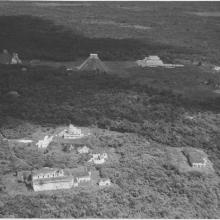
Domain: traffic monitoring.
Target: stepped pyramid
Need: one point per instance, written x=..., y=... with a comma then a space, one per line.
x=93, y=63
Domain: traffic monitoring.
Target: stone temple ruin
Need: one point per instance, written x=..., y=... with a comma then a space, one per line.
x=93, y=63
x=7, y=58
x=195, y=158
x=41, y=144
x=98, y=158
x=155, y=61
x=71, y=133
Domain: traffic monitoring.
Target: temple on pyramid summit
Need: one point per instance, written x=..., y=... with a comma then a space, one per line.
x=93, y=63
x=71, y=133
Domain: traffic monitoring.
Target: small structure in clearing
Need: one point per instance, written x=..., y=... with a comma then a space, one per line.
x=155, y=61
x=15, y=59
x=13, y=94
x=68, y=148
x=195, y=158
x=83, y=150
x=216, y=68
x=99, y=158
x=71, y=133
x=104, y=182
x=84, y=176
x=188, y=159
x=93, y=63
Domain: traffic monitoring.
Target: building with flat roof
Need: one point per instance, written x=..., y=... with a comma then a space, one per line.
x=104, y=182
x=50, y=179
x=54, y=178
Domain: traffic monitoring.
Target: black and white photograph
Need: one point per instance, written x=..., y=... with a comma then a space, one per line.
x=110, y=109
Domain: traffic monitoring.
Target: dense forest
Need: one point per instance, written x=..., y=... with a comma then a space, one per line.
x=37, y=38
x=52, y=97
x=139, y=120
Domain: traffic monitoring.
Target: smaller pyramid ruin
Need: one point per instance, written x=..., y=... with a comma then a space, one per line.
x=7, y=58
x=15, y=59
x=155, y=61
x=93, y=63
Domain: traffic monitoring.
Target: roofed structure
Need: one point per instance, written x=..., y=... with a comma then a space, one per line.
x=13, y=94
x=71, y=133
x=104, y=182
x=47, y=172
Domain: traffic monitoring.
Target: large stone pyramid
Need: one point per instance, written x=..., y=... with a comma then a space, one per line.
x=93, y=63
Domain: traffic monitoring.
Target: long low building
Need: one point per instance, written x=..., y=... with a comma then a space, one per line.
x=54, y=179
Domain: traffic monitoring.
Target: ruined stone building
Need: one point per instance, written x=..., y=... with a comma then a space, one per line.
x=155, y=61
x=195, y=158
x=71, y=133
x=50, y=179
x=93, y=63
x=83, y=150
x=104, y=182
x=54, y=179
x=45, y=142
x=99, y=158
x=7, y=58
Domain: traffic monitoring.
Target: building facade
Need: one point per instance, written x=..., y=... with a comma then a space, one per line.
x=104, y=182
x=71, y=133
x=54, y=179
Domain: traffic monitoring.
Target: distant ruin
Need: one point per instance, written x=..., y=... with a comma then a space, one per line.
x=155, y=61
x=7, y=58
x=195, y=158
x=93, y=63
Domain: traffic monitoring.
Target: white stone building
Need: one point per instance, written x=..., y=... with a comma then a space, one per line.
x=50, y=179
x=45, y=142
x=83, y=150
x=99, y=158
x=15, y=59
x=83, y=177
x=151, y=61
x=71, y=133
x=200, y=164
x=104, y=182
x=195, y=158
x=54, y=179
